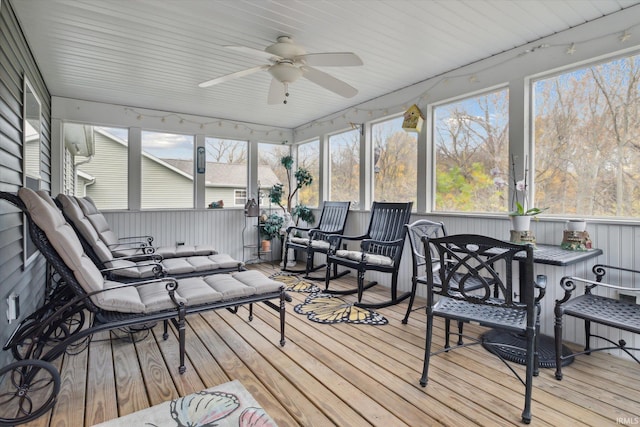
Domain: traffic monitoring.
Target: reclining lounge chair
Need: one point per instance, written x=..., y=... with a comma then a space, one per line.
x=110, y=305
x=138, y=267
x=135, y=245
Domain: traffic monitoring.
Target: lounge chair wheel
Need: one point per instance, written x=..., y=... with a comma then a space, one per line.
x=28, y=389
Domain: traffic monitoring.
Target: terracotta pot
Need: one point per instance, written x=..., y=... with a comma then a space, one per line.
x=265, y=245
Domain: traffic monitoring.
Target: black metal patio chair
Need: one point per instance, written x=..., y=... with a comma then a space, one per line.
x=415, y=231
x=459, y=264
x=619, y=313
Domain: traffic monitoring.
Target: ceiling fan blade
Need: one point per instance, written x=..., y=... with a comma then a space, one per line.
x=256, y=53
x=276, y=92
x=331, y=59
x=329, y=82
x=233, y=76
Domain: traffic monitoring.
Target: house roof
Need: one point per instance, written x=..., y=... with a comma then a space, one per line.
x=225, y=174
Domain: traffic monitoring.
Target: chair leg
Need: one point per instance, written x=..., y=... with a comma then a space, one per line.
x=447, y=334
x=327, y=275
x=427, y=348
x=361, y=274
x=411, y=299
x=531, y=337
x=285, y=261
x=309, y=267
x=165, y=331
x=460, y=326
x=587, y=335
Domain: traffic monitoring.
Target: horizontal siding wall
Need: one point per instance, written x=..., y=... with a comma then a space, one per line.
x=26, y=281
x=223, y=228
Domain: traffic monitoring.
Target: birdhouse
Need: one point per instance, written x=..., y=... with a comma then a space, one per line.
x=413, y=119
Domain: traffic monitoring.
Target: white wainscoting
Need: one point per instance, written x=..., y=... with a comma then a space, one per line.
x=223, y=228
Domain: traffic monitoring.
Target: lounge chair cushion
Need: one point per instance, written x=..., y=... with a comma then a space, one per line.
x=63, y=239
x=185, y=250
x=85, y=228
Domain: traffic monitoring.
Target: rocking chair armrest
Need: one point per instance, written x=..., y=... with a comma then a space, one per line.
x=294, y=227
x=366, y=243
x=335, y=239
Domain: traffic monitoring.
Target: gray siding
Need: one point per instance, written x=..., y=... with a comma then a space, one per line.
x=163, y=188
x=17, y=61
x=109, y=168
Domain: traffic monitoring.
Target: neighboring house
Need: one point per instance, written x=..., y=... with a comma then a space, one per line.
x=103, y=177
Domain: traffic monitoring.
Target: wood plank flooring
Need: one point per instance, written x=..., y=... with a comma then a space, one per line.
x=341, y=374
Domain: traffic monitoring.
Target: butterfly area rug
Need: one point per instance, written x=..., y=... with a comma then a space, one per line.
x=225, y=405
x=326, y=308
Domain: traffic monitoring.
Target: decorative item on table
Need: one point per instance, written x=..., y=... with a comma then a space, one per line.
x=216, y=205
x=413, y=119
x=520, y=217
x=575, y=237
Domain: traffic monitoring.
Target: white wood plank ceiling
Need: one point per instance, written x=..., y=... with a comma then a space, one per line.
x=153, y=53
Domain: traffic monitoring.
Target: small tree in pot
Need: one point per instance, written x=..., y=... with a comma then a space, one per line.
x=296, y=180
x=302, y=178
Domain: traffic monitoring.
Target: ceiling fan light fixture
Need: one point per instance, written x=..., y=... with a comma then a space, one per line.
x=285, y=72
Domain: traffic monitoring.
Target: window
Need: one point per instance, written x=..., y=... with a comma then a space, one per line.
x=104, y=176
x=309, y=158
x=395, y=161
x=239, y=197
x=271, y=171
x=344, y=153
x=167, y=170
x=586, y=133
x=226, y=171
x=472, y=154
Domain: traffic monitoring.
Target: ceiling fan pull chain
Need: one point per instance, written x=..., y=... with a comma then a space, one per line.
x=286, y=92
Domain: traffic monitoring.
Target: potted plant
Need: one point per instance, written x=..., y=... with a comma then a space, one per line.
x=521, y=216
x=270, y=229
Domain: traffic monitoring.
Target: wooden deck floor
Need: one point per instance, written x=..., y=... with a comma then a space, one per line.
x=345, y=375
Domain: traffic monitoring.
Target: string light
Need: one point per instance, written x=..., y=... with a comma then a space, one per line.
x=445, y=81
x=202, y=125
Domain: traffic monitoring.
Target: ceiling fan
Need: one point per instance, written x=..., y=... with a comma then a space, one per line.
x=288, y=62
